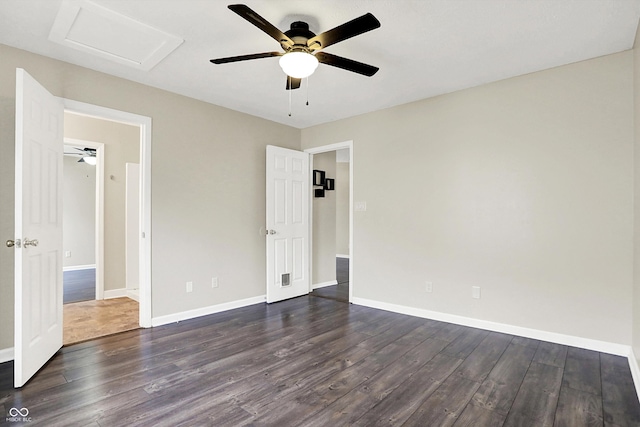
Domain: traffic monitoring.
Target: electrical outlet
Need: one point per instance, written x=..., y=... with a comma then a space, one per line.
x=475, y=292
x=189, y=286
x=214, y=282
x=428, y=287
x=67, y=254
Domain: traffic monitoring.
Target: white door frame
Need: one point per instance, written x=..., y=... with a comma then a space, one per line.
x=144, y=123
x=99, y=229
x=325, y=149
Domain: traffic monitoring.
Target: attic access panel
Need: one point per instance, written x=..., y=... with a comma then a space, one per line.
x=99, y=31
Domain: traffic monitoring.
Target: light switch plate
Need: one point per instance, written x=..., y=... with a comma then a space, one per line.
x=475, y=292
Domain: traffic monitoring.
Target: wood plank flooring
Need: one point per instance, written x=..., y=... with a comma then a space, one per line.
x=79, y=285
x=314, y=361
x=339, y=292
x=91, y=319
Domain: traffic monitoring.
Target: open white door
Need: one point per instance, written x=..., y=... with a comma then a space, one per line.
x=38, y=232
x=287, y=223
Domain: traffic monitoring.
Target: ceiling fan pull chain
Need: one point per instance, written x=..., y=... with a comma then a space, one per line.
x=289, y=77
x=307, y=91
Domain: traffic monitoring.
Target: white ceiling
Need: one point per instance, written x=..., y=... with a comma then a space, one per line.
x=424, y=48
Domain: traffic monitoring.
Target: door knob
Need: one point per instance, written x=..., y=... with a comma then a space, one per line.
x=272, y=231
x=28, y=242
x=12, y=243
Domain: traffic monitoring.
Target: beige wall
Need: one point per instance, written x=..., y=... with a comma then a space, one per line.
x=324, y=224
x=208, y=185
x=79, y=212
x=121, y=145
x=523, y=187
x=636, y=216
x=342, y=208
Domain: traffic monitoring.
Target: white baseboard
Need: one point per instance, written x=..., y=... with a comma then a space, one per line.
x=133, y=294
x=115, y=293
x=78, y=267
x=324, y=284
x=573, y=341
x=6, y=355
x=635, y=371
x=204, y=311
x=342, y=256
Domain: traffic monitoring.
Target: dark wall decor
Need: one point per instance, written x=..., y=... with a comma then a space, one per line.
x=318, y=177
x=319, y=180
x=329, y=184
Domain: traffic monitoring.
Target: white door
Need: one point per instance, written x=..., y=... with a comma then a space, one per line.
x=38, y=227
x=287, y=223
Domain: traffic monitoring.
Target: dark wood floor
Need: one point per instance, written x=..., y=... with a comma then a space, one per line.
x=79, y=285
x=339, y=292
x=319, y=362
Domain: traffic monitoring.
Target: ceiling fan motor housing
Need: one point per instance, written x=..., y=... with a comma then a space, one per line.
x=299, y=32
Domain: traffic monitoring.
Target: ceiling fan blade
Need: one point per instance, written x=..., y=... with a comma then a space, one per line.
x=293, y=83
x=245, y=57
x=247, y=13
x=346, y=64
x=366, y=22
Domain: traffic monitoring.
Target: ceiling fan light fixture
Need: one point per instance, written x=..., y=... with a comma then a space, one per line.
x=298, y=64
x=90, y=160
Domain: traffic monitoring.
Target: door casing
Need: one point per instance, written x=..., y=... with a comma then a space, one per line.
x=324, y=149
x=144, y=123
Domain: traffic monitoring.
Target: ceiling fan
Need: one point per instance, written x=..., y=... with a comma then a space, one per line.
x=302, y=47
x=88, y=155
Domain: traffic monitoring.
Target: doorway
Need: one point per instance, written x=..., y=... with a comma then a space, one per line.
x=143, y=125
x=332, y=223
x=111, y=309
x=82, y=203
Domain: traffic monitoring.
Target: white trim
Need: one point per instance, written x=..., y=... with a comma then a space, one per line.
x=6, y=355
x=324, y=284
x=115, y=293
x=635, y=371
x=133, y=294
x=79, y=267
x=144, y=123
x=204, y=311
x=342, y=256
x=324, y=149
x=570, y=340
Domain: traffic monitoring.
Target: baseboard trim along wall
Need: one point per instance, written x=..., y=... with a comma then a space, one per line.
x=6, y=355
x=78, y=267
x=586, y=343
x=324, y=284
x=115, y=293
x=342, y=256
x=635, y=371
x=204, y=311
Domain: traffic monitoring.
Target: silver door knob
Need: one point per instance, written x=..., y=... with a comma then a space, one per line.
x=28, y=242
x=272, y=231
x=12, y=243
